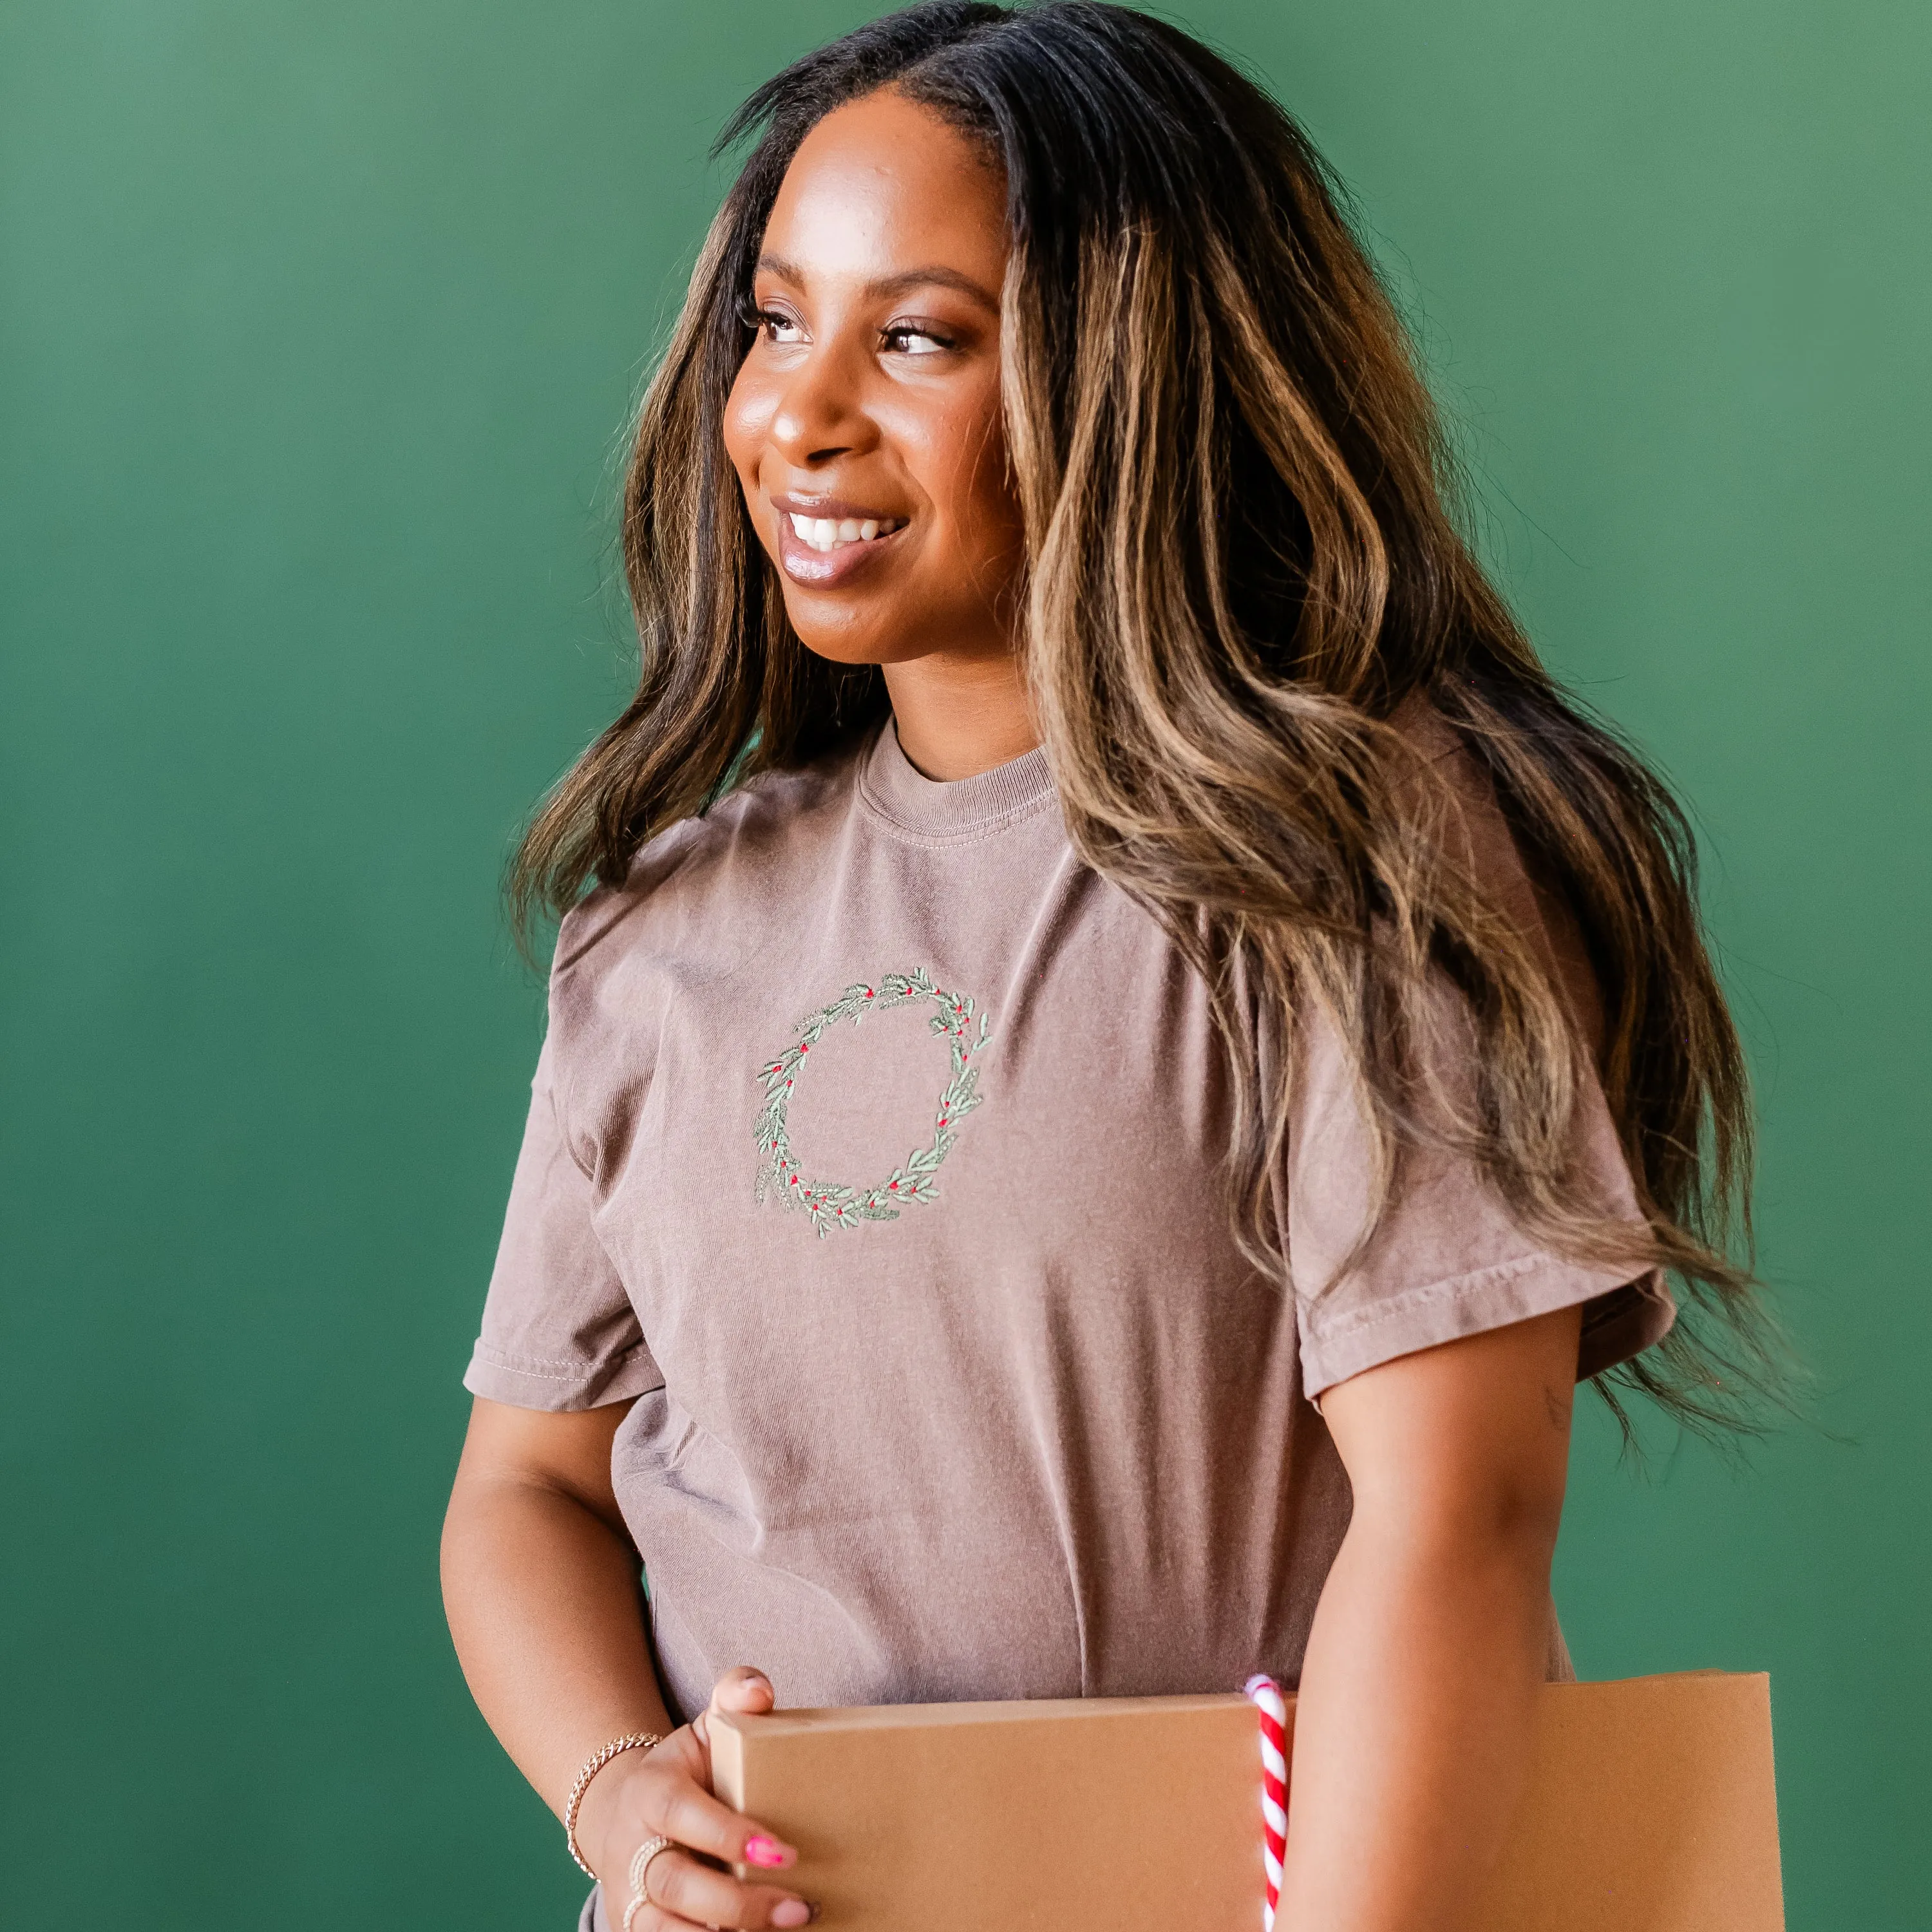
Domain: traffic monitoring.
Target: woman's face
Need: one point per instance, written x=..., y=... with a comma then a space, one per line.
x=865, y=422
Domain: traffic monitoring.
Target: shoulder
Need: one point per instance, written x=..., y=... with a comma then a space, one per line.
x=1452, y=798
x=711, y=865
x=1455, y=802
x=695, y=897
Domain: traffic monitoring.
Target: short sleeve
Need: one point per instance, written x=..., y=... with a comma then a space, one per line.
x=1447, y=1259
x=559, y=1331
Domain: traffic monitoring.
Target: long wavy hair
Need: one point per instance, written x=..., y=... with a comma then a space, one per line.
x=1243, y=560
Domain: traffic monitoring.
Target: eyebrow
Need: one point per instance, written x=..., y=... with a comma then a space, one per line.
x=933, y=276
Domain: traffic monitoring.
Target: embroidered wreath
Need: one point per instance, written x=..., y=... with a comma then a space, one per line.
x=831, y=1204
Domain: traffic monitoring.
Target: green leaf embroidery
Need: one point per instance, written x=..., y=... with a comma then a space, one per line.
x=832, y=1204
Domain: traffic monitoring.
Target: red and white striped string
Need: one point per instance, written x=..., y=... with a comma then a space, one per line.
x=1268, y=1700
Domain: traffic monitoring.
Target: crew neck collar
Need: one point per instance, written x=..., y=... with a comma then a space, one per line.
x=896, y=787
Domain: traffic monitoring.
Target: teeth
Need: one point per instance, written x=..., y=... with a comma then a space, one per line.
x=826, y=533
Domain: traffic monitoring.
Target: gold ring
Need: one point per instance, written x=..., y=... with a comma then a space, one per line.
x=640, y=1871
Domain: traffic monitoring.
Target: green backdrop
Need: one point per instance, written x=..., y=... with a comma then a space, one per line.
x=318, y=323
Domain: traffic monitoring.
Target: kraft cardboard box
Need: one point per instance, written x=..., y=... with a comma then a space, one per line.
x=1651, y=1808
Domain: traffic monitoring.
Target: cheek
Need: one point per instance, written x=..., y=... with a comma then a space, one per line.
x=747, y=418
x=963, y=459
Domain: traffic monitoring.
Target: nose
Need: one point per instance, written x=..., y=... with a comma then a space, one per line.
x=821, y=413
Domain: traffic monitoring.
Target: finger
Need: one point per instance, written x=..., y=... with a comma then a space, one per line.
x=685, y=1890
x=682, y=1810
x=746, y=1688
x=654, y=1918
x=678, y=1803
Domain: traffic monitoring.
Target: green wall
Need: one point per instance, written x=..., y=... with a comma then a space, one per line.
x=318, y=320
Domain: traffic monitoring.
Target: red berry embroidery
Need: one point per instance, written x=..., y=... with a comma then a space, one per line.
x=839, y=1206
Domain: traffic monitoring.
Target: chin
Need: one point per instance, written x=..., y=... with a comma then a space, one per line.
x=859, y=644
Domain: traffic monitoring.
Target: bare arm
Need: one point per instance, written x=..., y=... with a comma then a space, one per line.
x=540, y=1583
x=1413, y=1724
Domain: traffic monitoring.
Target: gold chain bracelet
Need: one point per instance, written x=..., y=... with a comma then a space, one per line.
x=630, y=1741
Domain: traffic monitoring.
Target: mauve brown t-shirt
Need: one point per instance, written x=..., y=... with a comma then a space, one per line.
x=877, y=1149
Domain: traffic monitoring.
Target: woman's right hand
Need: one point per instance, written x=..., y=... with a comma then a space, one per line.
x=666, y=1792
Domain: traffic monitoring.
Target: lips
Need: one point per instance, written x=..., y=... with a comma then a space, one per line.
x=822, y=541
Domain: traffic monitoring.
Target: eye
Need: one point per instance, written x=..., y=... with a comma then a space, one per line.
x=917, y=338
x=775, y=326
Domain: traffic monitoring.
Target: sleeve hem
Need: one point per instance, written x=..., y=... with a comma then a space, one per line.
x=1471, y=1304
x=559, y=1387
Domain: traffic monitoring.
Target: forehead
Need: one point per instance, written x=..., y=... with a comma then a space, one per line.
x=883, y=184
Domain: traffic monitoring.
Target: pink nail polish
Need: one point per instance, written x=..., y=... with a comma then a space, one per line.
x=791, y=1912
x=760, y=1850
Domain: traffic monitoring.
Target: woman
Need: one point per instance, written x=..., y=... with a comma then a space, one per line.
x=1102, y=937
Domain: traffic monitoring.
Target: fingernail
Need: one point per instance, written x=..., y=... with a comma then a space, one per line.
x=792, y=1912
x=760, y=1850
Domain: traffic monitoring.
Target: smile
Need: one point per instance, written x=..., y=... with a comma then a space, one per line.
x=824, y=541
x=826, y=534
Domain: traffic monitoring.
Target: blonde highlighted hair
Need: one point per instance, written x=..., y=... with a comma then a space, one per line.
x=1242, y=564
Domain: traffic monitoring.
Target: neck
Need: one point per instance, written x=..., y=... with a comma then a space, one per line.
x=959, y=716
